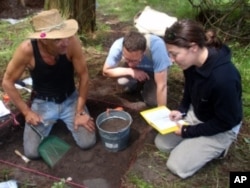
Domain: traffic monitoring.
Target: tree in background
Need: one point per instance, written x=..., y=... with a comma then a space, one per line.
x=84, y=11
x=231, y=18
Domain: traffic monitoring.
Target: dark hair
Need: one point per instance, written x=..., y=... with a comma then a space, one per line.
x=134, y=41
x=182, y=33
x=212, y=39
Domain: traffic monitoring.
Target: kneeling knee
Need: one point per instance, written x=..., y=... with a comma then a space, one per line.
x=177, y=170
x=31, y=154
x=87, y=144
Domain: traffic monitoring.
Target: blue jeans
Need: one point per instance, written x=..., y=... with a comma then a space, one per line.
x=51, y=112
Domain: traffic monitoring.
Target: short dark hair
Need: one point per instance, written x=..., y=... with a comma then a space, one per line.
x=134, y=41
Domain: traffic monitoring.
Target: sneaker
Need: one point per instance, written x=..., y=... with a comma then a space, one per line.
x=223, y=154
x=129, y=89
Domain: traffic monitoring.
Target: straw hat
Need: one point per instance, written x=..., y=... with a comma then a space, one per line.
x=50, y=25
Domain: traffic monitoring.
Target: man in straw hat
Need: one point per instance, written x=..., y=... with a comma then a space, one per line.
x=52, y=54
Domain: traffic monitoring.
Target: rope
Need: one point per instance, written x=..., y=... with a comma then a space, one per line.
x=41, y=173
x=48, y=29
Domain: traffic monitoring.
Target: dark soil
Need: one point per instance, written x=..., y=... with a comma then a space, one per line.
x=85, y=167
x=96, y=167
x=114, y=125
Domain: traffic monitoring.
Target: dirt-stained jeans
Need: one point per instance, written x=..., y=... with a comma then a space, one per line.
x=51, y=112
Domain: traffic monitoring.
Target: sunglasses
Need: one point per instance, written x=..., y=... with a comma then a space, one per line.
x=171, y=36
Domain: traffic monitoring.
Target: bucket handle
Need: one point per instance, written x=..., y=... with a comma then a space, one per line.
x=119, y=108
x=37, y=131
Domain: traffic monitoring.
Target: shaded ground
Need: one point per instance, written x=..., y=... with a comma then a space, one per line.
x=85, y=167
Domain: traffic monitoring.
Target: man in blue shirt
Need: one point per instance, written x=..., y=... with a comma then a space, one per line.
x=137, y=59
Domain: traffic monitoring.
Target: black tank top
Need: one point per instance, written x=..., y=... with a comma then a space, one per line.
x=52, y=80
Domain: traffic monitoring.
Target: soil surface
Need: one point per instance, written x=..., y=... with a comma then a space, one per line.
x=114, y=124
x=87, y=168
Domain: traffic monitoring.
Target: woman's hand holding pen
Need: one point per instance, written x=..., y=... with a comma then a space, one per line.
x=176, y=115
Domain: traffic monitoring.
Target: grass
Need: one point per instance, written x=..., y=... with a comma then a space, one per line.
x=215, y=174
x=241, y=56
x=5, y=174
x=126, y=10
x=10, y=37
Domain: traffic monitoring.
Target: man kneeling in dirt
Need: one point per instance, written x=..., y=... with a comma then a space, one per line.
x=138, y=60
x=51, y=56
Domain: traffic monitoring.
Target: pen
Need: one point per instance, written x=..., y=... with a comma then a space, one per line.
x=183, y=114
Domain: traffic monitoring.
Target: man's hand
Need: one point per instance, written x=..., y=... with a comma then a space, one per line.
x=140, y=75
x=86, y=121
x=32, y=118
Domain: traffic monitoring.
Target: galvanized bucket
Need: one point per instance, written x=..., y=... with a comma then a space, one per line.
x=116, y=137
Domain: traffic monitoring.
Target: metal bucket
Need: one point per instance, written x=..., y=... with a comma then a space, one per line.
x=117, y=139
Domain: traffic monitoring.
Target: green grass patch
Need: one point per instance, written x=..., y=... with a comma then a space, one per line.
x=126, y=10
x=241, y=59
x=11, y=36
x=139, y=182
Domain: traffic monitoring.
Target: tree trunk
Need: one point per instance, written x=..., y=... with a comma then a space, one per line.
x=81, y=10
x=84, y=13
